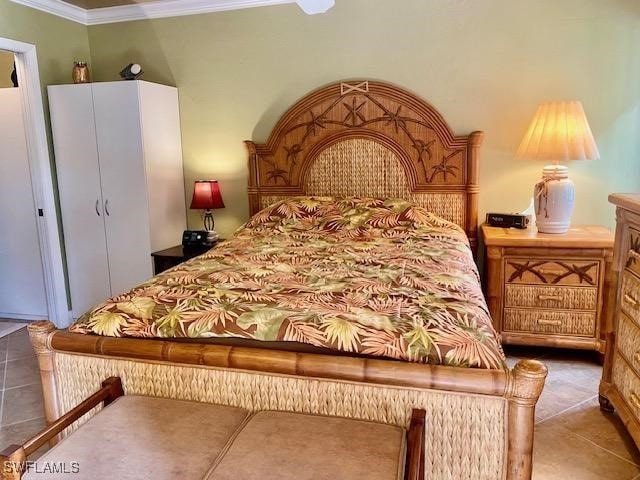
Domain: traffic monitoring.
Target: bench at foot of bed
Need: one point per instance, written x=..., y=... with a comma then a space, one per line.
x=140, y=437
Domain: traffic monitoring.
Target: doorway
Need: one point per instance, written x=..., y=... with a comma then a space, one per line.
x=32, y=285
x=22, y=290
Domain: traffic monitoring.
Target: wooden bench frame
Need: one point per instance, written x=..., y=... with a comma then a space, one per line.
x=13, y=459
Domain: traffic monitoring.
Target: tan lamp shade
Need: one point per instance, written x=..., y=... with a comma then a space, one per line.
x=559, y=131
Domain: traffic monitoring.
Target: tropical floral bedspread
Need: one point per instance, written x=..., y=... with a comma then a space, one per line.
x=370, y=276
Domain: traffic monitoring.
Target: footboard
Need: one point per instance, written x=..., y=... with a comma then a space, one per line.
x=479, y=423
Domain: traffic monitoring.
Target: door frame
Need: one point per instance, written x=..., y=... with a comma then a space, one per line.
x=41, y=171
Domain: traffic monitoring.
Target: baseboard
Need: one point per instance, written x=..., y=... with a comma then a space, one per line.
x=21, y=316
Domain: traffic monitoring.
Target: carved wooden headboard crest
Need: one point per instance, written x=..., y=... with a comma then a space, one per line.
x=365, y=138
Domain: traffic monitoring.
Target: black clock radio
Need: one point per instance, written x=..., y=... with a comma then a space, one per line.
x=508, y=220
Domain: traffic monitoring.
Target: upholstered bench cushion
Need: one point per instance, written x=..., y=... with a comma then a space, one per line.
x=145, y=438
x=282, y=446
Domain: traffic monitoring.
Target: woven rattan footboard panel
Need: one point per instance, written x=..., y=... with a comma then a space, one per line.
x=465, y=434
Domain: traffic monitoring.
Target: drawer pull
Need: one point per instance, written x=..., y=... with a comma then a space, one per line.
x=635, y=400
x=551, y=271
x=549, y=322
x=557, y=298
x=630, y=300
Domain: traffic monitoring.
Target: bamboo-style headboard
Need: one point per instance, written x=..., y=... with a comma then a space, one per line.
x=365, y=138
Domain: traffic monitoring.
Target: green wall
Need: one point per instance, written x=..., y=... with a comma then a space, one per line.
x=484, y=64
x=59, y=42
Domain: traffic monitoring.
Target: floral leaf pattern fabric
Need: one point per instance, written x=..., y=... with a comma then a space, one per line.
x=378, y=277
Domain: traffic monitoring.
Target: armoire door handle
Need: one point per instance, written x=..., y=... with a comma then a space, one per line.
x=106, y=207
x=97, y=211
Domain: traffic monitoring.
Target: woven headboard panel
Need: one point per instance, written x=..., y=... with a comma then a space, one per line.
x=363, y=167
x=368, y=139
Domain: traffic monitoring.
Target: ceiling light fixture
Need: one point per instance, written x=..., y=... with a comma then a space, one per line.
x=312, y=7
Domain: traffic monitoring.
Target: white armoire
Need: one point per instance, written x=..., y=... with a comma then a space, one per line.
x=119, y=165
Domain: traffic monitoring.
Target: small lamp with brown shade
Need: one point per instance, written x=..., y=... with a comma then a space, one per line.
x=559, y=132
x=207, y=196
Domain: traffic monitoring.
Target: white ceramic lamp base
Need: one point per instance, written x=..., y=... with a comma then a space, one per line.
x=554, y=198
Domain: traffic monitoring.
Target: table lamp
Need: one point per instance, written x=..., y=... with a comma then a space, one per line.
x=207, y=196
x=558, y=132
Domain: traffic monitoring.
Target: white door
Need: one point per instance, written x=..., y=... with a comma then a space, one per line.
x=22, y=289
x=78, y=172
x=124, y=189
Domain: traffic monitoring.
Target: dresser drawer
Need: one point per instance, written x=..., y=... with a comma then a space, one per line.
x=628, y=384
x=628, y=340
x=630, y=294
x=632, y=260
x=578, y=273
x=550, y=297
x=560, y=322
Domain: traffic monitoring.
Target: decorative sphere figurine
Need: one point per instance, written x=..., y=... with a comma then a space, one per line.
x=131, y=72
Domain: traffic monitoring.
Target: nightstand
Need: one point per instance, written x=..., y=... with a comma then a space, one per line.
x=550, y=289
x=170, y=257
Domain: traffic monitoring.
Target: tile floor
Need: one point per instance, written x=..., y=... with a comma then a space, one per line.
x=21, y=411
x=574, y=439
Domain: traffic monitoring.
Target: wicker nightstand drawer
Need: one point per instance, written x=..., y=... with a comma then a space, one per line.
x=627, y=383
x=555, y=322
x=550, y=297
x=630, y=294
x=534, y=271
x=628, y=340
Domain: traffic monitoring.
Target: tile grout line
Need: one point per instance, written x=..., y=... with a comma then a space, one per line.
x=20, y=386
x=22, y=421
x=566, y=410
x=4, y=379
x=606, y=450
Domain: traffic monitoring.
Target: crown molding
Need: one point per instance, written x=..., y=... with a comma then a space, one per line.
x=170, y=8
x=145, y=10
x=58, y=8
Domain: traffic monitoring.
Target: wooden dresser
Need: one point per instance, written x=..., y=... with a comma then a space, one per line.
x=620, y=385
x=549, y=289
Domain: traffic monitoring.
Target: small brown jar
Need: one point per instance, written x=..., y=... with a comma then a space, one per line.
x=80, y=73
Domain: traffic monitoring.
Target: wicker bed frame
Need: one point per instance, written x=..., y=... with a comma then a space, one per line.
x=356, y=138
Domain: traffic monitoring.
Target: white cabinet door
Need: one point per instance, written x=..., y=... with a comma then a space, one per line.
x=74, y=137
x=160, y=120
x=123, y=181
x=22, y=290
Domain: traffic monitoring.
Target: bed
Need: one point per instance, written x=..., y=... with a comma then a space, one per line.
x=352, y=167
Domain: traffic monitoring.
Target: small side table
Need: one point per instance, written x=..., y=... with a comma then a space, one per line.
x=550, y=289
x=170, y=257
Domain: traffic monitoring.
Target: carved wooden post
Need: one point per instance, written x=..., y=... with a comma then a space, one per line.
x=525, y=386
x=473, y=188
x=252, y=188
x=40, y=333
